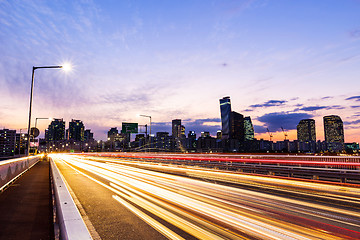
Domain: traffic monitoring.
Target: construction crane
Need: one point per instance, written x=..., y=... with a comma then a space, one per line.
x=270, y=134
x=285, y=133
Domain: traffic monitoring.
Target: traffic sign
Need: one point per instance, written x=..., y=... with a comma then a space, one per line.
x=34, y=132
x=129, y=128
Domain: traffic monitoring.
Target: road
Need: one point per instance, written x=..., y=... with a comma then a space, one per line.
x=127, y=199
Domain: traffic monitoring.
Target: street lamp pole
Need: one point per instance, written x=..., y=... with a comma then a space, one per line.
x=31, y=98
x=150, y=126
x=36, y=125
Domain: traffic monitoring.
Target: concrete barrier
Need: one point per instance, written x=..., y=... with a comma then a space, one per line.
x=13, y=168
x=68, y=217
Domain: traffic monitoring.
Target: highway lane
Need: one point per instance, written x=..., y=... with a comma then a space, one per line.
x=180, y=207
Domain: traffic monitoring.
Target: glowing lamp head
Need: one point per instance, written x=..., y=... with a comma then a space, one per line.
x=66, y=67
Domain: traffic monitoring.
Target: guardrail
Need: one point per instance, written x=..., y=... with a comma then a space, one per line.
x=68, y=217
x=339, y=169
x=13, y=168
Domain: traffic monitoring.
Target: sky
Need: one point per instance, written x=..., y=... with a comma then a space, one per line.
x=280, y=61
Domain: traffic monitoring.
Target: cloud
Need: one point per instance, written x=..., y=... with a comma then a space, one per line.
x=205, y=120
x=260, y=129
x=315, y=108
x=355, y=106
x=312, y=108
x=274, y=121
x=356, y=98
x=327, y=97
x=352, y=122
x=355, y=33
x=269, y=103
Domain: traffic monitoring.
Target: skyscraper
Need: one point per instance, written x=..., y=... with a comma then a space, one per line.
x=76, y=130
x=176, y=128
x=248, y=129
x=7, y=142
x=237, y=126
x=334, y=129
x=225, y=110
x=306, y=130
x=112, y=133
x=55, y=131
x=88, y=135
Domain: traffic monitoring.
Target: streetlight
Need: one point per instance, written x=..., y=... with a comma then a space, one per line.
x=141, y=115
x=44, y=119
x=36, y=125
x=65, y=67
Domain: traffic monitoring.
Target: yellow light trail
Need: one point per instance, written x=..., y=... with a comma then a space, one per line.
x=212, y=211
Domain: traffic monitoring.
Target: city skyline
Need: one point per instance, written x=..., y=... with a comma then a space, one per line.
x=279, y=62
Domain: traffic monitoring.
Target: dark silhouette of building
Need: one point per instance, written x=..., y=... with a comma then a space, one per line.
x=249, y=133
x=334, y=133
x=237, y=126
x=306, y=130
x=55, y=131
x=232, y=123
x=76, y=130
x=225, y=110
x=112, y=133
x=176, y=128
x=7, y=142
x=88, y=135
x=334, y=129
x=163, y=142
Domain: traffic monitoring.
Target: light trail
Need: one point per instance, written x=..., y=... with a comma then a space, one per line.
x=212, y=211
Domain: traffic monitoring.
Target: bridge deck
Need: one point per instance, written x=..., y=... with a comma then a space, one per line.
x=25, y=206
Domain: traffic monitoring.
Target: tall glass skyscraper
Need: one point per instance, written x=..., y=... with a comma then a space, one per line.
x=306, y=130
x=237, y=126
x=249, y=129
x=225, y=110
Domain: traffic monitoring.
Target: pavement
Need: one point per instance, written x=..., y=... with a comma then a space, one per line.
x=108, y=218
x=26, y=206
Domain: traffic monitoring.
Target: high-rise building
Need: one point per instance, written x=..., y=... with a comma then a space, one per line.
x=248, y=129
x=76, y=130
x=55, y=131
x=7, y=142
x=334, y=129
x=232, y=123
x=176, y=128
x=237, y=126
x=112, y=133
x=306, y=130
x=88, y=135
x=225, y=110
x=334, y=133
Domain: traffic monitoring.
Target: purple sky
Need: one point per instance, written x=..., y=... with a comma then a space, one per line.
x=279, y=61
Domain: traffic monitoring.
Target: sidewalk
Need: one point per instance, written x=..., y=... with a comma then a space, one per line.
x=25, y=206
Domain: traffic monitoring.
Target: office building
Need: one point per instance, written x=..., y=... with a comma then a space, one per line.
x=334, y=129
x=55, y=131
x=7, y=142
x=76, y=130
x=334, y=133
x=176, y=128
x=237, y=126
x=225, y=111
x=249, y=133
x=306, y=130
x=112, y=133
x=88, y=135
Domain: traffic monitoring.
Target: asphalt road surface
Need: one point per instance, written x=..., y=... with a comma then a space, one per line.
x=126, y=199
